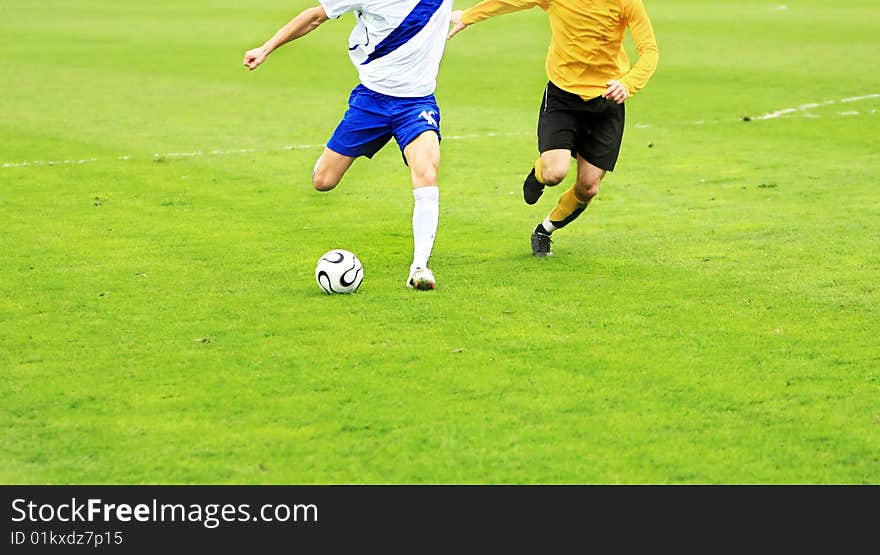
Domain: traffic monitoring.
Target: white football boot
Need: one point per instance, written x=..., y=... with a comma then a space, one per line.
x=421, y=278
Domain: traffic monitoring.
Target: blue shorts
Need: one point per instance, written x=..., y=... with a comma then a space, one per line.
x=373, y=118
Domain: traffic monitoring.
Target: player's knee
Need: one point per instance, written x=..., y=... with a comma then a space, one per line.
x=553, y=175
x=425, y=177
x=587, y=188
x=323, y=182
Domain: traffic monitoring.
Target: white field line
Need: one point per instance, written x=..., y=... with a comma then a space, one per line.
x=804, y=110
x=814, y=105
x=158, y=157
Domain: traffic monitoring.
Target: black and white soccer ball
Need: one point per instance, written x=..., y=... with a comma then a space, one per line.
x=339, y=271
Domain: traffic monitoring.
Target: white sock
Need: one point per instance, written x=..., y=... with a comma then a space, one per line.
x=426, y=214
x=548, y=226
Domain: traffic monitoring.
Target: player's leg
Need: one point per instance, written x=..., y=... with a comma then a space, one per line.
x=422, y=154
x=329, y=169
x=557, y=127
x=549, y=170
x=598, y=139
x=589, y=177
x=363, y=131
x=570, y=205
x=575, y=200
x=416, y=123
x=552, y=167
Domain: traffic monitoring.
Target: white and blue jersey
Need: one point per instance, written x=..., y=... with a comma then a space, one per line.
x=396, y=46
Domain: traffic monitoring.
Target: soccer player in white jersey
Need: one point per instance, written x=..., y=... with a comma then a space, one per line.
x=396, y=46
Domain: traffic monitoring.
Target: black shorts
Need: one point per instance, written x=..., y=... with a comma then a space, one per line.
x=592, y=128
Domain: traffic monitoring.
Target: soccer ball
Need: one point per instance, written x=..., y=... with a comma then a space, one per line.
x=339, y=271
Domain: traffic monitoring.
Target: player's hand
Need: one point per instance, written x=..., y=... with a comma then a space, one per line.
x=253, y=58
x=455, y=24
x=616, y=92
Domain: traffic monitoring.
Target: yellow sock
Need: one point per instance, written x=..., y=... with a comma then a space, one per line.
x=539, y=171
x=567, y=209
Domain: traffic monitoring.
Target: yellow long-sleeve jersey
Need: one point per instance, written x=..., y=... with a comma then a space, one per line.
x=586, y=46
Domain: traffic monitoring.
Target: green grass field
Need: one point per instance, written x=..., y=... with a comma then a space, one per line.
x=712, y=318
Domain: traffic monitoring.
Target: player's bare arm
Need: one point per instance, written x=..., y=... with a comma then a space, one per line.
x=306, y=22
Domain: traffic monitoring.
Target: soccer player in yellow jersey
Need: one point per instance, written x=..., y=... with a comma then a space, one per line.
x=582, y=110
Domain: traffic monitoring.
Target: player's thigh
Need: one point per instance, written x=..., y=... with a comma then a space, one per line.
x=363, y=131
x=600, y=135
x=416, y=125
x=422, y=154
x=557, y=131
x=330, y=168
